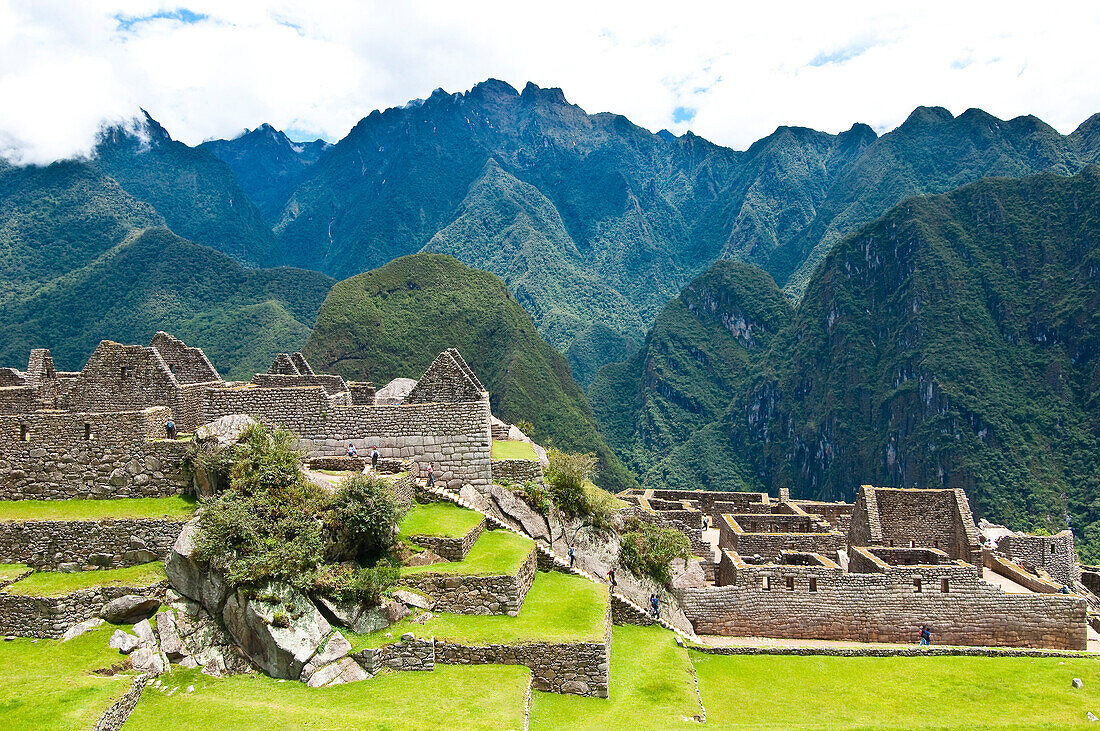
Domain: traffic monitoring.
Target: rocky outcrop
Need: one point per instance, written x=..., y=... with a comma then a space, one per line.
x=191, y=578
x=519, y=511
x=277, y=627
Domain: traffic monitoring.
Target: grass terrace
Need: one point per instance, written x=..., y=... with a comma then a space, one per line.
x=55, y=583
x=514, y=450
x=651, y=687
x=495, y=553
x=53, y=685
x=180, y=507
x=759, y=692
x=9, y=571
x=479, y=697
x=439, y=519
x=559, y=608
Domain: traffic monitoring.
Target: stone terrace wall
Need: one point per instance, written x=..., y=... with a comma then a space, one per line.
x=454, y=436
x=405, y=655
x=49, y=617
x=452, y=549
x=581, y=668
x=116, y=460
x=884, y=607
x=459, y=594
x=517, y=471
x=44, y=544
x=1054, y=554
x=115, y=717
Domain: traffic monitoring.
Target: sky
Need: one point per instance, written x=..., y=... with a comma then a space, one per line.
x=729, y=71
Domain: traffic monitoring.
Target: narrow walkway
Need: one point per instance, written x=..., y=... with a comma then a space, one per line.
x=1010, y=587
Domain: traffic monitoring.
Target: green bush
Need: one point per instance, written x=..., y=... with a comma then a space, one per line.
x=348, y=582
x=363, y=519
x=566, y=477
x=648, y=550
x=537, y=497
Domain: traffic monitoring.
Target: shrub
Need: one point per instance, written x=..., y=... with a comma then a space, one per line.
x=566, y=477
x=648, y=550
x=363, y=519
x=537, y=496
x=348, y=582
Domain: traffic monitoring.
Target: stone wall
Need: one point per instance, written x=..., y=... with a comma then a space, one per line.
x=448, y=380
x=115, y=717
x=188, y=365
x=49, y=617
x=45, y=544
x=462, y=594
x=623, y=613
x=822, y=602
x=1054, y=554
x=452, y=549
x=331, y=384
x=905, y=517
x=771, y=545
x=56, y=455
x=404, y=489
x=517, y=471
x=405, y=655
x=362, y=393
x=453, y=436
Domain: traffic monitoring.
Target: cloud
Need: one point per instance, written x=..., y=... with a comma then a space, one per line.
x=731, y=72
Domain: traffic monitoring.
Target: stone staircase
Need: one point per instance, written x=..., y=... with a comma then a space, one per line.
x=547, y=555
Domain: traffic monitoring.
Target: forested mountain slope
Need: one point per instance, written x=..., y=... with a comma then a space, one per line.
x=394, y=320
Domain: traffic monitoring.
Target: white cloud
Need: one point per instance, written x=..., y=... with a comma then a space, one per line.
x=731, y=72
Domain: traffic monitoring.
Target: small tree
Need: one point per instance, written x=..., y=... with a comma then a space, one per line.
x=363, y=519
x=566, y=478
x=648, y=550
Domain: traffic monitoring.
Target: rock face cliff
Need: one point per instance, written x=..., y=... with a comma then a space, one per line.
x=953, y=342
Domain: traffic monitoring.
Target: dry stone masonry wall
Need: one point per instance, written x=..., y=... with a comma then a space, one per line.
x=49, y=617
x=461, y=594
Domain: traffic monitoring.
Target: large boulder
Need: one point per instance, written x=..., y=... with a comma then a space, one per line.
x=332, y=650
x=225, y=431
x=129, y=609
x=518, y=510
x=124, y=642
x=278, y=628
x=193, y=579
x=171, y=644
x=687, y=574
x=78, y=629
x=344, y=670
x=359, y=617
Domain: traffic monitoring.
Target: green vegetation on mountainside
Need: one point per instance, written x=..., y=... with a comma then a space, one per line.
x=395, y=320
x=701, y=349
x=952, y=342
x=155, y=280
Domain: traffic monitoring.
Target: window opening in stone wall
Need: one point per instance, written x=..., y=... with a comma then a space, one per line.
x=24, y=433
x=87, y=432
x=1052, y=548
x=813, y=584
x=916, y=585
x=935, y=543
x=172, y=367
x=943, y=585
x=766, y=583
x=126, y=372
x=789, y=580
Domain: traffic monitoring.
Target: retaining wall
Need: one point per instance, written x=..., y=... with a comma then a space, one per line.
x=517, y=471
x=49, y=617
x=458, y=594
x=452, y=549
x=44, y=544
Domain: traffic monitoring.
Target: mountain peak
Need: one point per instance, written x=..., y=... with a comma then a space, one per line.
x=926, y=117
x=551, y=95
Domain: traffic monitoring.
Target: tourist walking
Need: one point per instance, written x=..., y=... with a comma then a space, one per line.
x=655, y=605
x=925, y=636
x=572, y=554
x=351, y=451
x=611, y=577
x=170, y=429
x=431, y=475
x=374, y=459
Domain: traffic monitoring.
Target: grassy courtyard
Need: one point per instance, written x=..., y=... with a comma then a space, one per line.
x=180, y=507
x=494, y=553
x=559, y=608
x=52, y=685
x=439, y=519
x=55, y=583
x=514, y=450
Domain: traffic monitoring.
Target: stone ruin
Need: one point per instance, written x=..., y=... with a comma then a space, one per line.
x=874, y=571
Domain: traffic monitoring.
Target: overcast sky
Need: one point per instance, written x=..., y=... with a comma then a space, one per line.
x=729, y=71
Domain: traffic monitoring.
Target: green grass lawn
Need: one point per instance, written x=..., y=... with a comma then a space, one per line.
x=450, y=697
x=439, y=519
x=494, y=553
x=651, y=688
x=778, y=691
x=51, y=685
x=514, y=450
x=9, y=571
x=179, y=508
x=55, y=583
x=559, y=608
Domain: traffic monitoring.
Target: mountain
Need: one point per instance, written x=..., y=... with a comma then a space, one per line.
x=954, y=341
x=701, y=349
x=197, y=194
x=394, y=320
x=154, y=280
x=267, y=164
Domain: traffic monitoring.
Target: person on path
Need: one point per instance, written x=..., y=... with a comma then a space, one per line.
x=925, y=636
x=655, y=605
x=374, y=459
x=170, y=429
x=431, y=474
x=572, y=554
x=611, y=577
x=351, y=450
